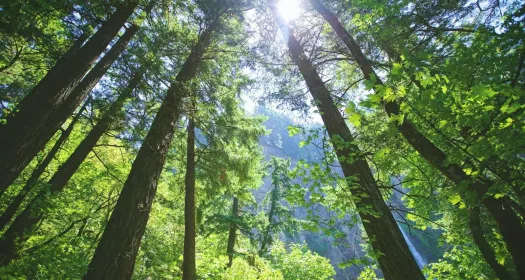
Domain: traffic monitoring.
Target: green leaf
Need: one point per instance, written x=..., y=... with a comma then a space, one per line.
x=455, y=199
x=483, y=91
x=374, y=98
x=488, y=108
x=508, y=122
x=355, y=119
x=397, y=69
x=470, y=171
x=351, y=108
x=293, y=130
x=500, y=257
x=499, y=195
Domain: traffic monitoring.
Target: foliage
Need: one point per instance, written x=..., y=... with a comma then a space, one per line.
x=299, y=263
x=455, y=68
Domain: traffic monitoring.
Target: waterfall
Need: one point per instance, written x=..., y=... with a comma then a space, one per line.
x=419, y=259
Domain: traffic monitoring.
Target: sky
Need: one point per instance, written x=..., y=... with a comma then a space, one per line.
x=290, y=10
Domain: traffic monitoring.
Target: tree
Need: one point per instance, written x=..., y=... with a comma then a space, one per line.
x=10, y=211
x=402, y=122
x=508, y=221
x=298, y=263
x=280, y=217
x=188, y=271
x=117, y=259
x=20, y=230
x=484, y=246
x=232, y=235
x=394, y=257
x=25, y=132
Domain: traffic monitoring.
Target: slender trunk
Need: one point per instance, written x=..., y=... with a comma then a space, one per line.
x=11, y=209
x=24, y=224
x=484, y=246
x=267, y=233
x=508, y=222
x=188, y=266
x=393, y=256
x=26, y=131
x=82, y=227
x=115, y=255
x=230, y=250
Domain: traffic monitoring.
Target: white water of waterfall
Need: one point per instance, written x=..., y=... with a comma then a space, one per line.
x=419, y=259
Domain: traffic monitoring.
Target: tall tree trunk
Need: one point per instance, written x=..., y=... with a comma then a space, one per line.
x=24, y=224
x=115, y=255
x=188, y=266
x=11, y=209
x=230, y=250
x=71, y=51
x=508, y=222
x=87, y=84
x=393, y=256
x=484, y=246
x=267, y=233
x=74, y=48
x=26, y=131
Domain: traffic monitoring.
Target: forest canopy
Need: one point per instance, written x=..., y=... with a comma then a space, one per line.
x=262, y=139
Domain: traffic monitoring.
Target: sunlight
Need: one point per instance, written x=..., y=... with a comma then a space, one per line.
x=289, y=9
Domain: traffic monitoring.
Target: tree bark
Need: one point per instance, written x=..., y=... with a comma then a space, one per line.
x=70, y=52
x=115, y=255
x=393, y=256
x=11, y=209
x=74, y=47
x=26, y=131
x=517, y=207
x=24, y=224
x=188, y=266
x=508, y=222
x=484, y=246
x=230, y=250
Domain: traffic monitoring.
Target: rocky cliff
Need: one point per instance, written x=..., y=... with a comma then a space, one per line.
x=279, y=144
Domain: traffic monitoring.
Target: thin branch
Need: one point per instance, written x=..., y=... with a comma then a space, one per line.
x=106, y=167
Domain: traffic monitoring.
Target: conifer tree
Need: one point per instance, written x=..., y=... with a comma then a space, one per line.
x=27, y=130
